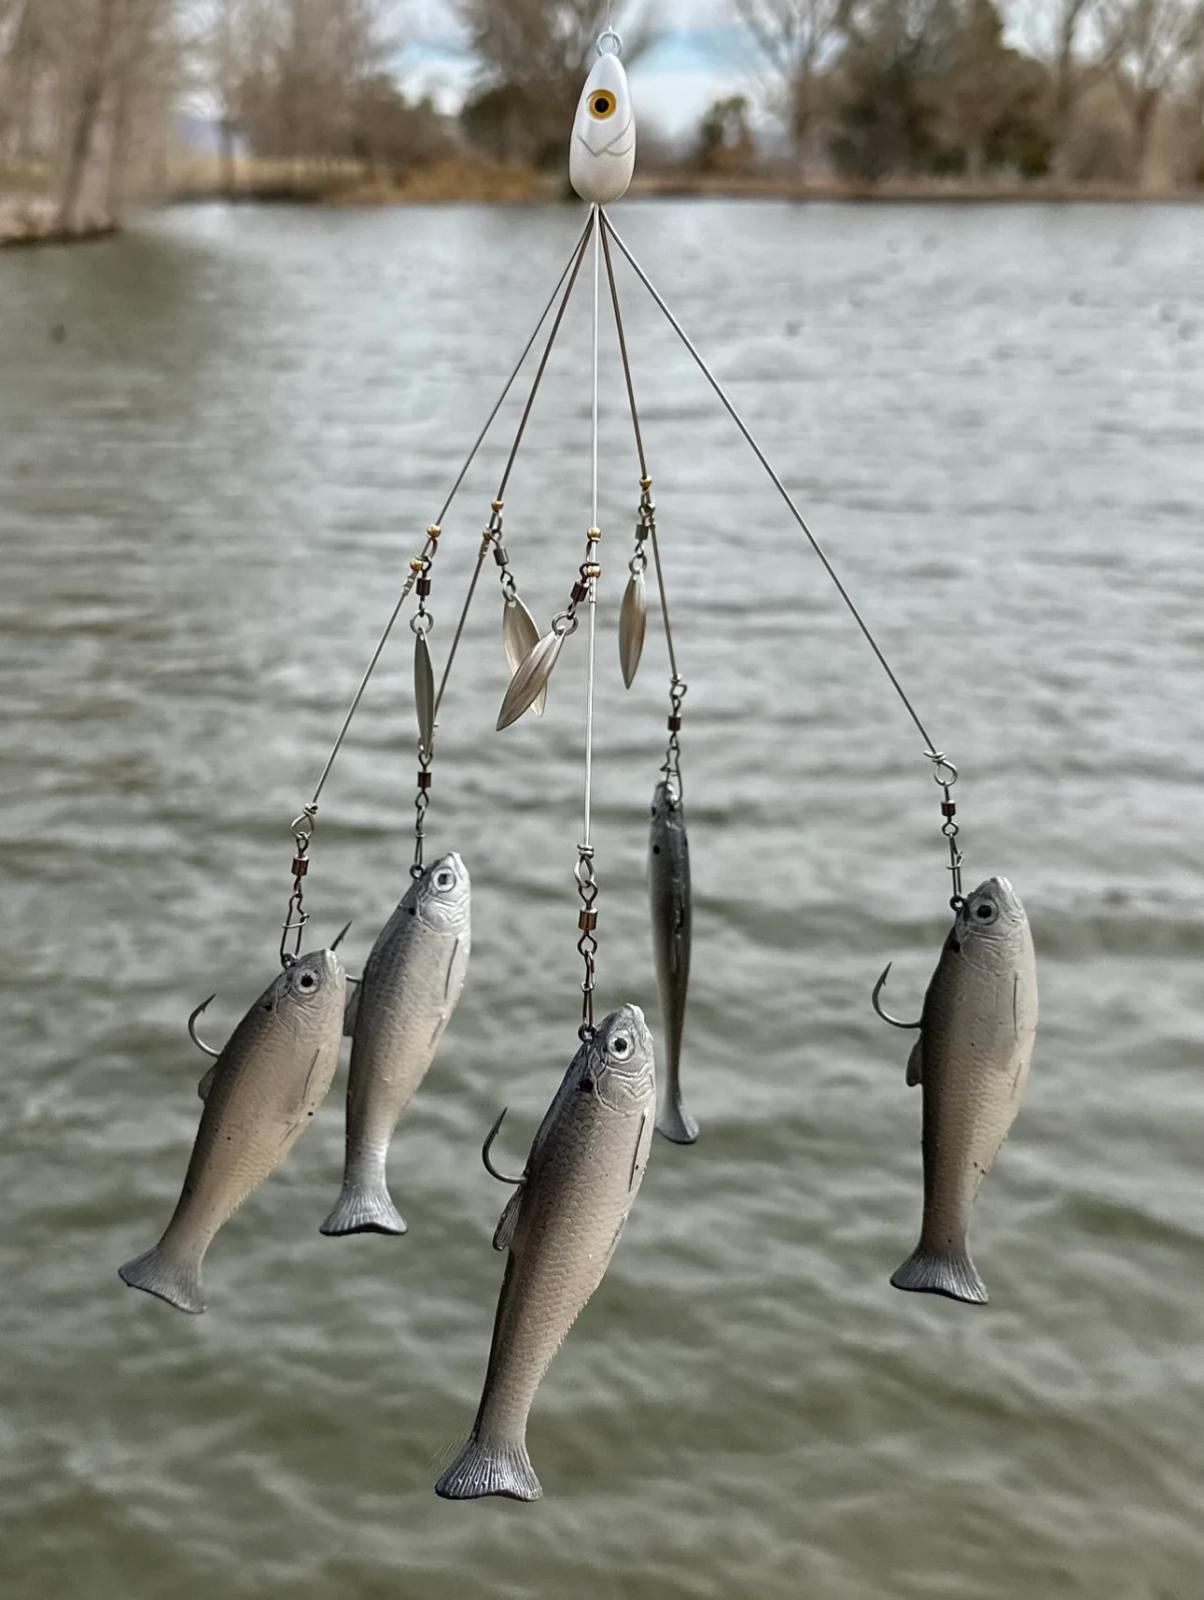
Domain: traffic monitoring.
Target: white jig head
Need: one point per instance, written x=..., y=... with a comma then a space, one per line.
x=602, y=154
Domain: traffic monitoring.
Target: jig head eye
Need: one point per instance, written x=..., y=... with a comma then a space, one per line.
x=602, y=104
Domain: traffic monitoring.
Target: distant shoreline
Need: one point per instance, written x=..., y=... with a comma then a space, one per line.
x=477, y=178
x=27, y=220
x=32, y=220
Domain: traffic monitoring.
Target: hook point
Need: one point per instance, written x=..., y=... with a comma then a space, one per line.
x=894, y=1022
x=195, y=1036
x=488, y=1145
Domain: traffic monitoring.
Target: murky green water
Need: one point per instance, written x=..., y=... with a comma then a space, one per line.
x=209, y=490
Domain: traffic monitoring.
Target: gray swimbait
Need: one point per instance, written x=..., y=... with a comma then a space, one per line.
x=396, y=1018
x=669, y=885
x=560, y=1227
x=972, y=1059
x=259, y=1095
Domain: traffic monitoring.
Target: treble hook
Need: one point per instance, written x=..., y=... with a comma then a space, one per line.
x=195, y=1036
x=885, y=1015
x=488, y=1145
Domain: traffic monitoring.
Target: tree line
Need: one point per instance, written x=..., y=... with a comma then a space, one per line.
x=92, y=91
x=914, y=87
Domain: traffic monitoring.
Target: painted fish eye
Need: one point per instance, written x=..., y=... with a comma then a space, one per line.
x=620, y=1047
x=602, y=104
x=307, y=981
x=444, y=879
x=985, y=911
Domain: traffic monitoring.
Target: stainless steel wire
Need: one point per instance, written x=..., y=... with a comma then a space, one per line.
x=574, y=260
x=640, y=452
x=593, y=582
x=574, y=268
x=931, y=749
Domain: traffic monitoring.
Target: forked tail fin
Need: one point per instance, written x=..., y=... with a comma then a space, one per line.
x=481, y=1469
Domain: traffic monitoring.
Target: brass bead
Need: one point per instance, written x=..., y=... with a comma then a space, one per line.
x=593, y=571
x=594, y=535
x=645, y=483
x=496, y=505
x=416, y=563
x=434, y=531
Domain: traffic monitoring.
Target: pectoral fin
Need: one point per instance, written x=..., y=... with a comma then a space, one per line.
x=639, y=1157
x=915, y=1063
x=352, y=1010
x=206, y=1082
x=503, y=1235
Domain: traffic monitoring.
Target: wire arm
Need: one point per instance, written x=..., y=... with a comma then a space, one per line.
x=573, y=265
x=729, y=407
x=639, y=447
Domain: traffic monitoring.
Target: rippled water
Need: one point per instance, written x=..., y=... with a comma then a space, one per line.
x=209, y=490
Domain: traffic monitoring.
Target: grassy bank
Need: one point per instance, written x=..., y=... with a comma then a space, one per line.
x=28, y=219
x=475, y=178
x=472, y=178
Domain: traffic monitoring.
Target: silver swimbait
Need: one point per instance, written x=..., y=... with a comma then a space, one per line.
x=396, y=1018
x=972, y=1059
x=259, y=1095
x=669, y=885
x=560, y=1227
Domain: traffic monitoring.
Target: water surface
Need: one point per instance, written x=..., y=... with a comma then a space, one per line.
x=209, y=491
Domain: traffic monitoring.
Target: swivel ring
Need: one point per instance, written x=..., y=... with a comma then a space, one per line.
x=422, y=622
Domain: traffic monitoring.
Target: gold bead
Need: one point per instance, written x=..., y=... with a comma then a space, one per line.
x=434, y=531
x=416, y=563
x=645, y=483
x=594, y=535
x=593, y=572
x=496, y=505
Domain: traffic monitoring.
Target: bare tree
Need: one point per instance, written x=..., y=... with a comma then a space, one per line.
x=90, y=82
x=794, y=39
x=1069, y=38
x=1154, y=45
x=298, y=70
x=86, y=88
x=217, y=46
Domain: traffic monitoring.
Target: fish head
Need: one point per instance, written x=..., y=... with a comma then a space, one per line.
x=620, y=1060
x=992, y=916
x=443, y=893
x=310, y=993
x=602, y=153
x=667, y=808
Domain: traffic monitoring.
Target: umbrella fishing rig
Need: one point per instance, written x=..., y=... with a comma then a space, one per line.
x=601, y=166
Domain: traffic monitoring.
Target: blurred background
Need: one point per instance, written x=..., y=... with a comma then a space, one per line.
x=224, y=423
x=105, y=102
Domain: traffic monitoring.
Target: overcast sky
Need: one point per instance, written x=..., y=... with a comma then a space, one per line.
x=698, y=58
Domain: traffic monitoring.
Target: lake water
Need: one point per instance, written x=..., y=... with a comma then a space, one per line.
x=211, y=482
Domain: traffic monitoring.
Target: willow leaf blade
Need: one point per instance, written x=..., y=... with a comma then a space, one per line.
x=531, y=679
x=424, y=692
x=519, y=638
x=633, y=624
